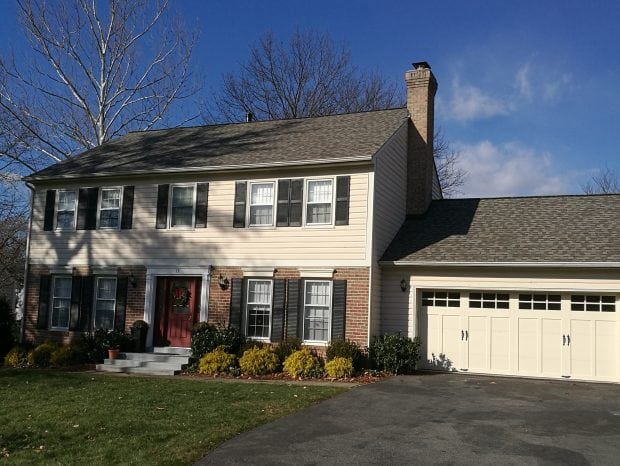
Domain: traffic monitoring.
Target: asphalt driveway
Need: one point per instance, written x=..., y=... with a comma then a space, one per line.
x=443, y=419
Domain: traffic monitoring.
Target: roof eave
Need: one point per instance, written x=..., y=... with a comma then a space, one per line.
x=220, y=168
x=605, y=265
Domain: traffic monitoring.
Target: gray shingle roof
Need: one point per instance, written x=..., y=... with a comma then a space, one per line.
x=580, y=229
x=353, y=136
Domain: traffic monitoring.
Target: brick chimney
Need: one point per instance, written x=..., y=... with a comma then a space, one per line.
x=421, y=89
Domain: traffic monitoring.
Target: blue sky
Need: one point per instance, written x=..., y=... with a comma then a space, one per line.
x=529, y=92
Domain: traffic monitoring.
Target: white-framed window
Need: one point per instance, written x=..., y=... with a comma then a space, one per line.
x=593, y=303
x=105, y=302
x=110, y=208
x=182, y=206
x=319, y=202
x=66, y=205
x=489, y=300
x=258, y=308
x=441, y=298
x=540, y=302
x=261, y=206
x=317, y=310
x=61, y=302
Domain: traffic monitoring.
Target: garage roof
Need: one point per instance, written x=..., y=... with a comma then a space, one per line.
x=338, y=138
x=538, y=230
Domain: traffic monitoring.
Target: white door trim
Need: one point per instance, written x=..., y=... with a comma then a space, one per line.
x=152, y=272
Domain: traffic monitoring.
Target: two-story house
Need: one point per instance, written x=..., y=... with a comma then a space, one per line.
x=323, y=228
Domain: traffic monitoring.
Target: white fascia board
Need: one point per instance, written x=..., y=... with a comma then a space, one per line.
x=604, y=265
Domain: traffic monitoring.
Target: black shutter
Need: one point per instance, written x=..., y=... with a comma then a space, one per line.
x=162, y=206
x=282, y=216
x=343, y=184
x=202, y=204
x=292, y=309
x=127, y=214
x=87, y=208
x=240, y=195
x=339, y=305
x=50, y=207
x=277, y=313
x=121, y=303
x=296, y=202
x=236, y=307
x=44, y=302
x=86, y=303
x=76, y=295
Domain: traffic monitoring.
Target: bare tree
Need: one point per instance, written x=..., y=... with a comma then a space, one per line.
x=310, y=75
x=451, y=175
x=604, y=182
x=97, y=71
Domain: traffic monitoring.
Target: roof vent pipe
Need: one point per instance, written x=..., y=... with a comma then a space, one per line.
x=249, y=117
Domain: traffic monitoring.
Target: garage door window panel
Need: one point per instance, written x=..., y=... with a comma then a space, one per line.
x=540, y=302
x=593, y=303
x=489, y=300
x=441, y=298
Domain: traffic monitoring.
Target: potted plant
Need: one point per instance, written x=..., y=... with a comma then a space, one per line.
x=115, y=342
x=139, y=331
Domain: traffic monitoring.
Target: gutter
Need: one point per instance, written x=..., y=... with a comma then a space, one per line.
x=193, y=170
x=580, y=265
x=25, y=285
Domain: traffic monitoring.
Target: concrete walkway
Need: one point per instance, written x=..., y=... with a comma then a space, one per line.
x=443, y=419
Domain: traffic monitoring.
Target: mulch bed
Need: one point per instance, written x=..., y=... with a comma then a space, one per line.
x=282, y=377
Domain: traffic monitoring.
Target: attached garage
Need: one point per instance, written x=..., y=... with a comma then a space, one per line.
x=512, y=286
x=520, y=333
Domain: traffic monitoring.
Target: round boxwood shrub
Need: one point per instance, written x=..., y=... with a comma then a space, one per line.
x=301, y=363
x=394, y=353
x=65, y=356
x=345, y=349
x=17, y=357
x=339, y=367
x=216, y=362
x=41, y=356
x=259, y=361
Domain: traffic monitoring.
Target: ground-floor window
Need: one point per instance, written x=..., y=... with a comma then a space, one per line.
x=317, y=310
x=61, y=302
x=105, y=302
x=258, y=308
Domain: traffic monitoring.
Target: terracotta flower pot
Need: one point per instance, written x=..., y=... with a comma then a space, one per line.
x=113, y=353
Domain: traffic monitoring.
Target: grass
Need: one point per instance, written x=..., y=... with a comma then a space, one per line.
x=77, y=418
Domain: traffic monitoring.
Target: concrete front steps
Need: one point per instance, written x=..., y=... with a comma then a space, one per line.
x=162, y=361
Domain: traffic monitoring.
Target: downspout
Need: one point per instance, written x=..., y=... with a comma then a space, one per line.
x=25, y=285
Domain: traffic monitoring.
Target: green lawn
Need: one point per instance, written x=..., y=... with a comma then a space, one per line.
x=80, y=418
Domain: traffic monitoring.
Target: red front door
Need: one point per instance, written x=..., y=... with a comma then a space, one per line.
x=177, y=310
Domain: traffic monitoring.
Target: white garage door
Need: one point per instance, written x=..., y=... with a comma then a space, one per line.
x=521, y=333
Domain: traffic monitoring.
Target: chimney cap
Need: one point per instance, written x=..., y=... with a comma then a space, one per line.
x=421, y=65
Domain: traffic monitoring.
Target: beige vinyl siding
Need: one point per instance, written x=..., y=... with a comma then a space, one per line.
x=219, y=242
x=390, y=195
x=398, y=309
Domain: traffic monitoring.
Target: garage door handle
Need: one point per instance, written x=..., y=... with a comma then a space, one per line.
x=466, y=335
x=567, y=340
x=462, y=335
x=563, y=340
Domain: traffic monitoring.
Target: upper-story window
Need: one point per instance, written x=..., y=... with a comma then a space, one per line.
x=182, y=206
x=319, y=202
x=110, y=208
x=65, y=210
x=262, y=197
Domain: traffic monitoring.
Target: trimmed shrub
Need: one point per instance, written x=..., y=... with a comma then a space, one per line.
x=287, y=347
x=216, y=362
x=394, y=353
x=259, y=361
x=17, y=357
x=41, y=356
x=7, y=322
x=207, y=337
x=339, y=367
x=301, y=363
x=92, y=347
x=117, y=339
x=345, y=349
x=64, y=356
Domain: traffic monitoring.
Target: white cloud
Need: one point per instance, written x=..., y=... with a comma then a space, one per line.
x=554, y=90
x=522, y=81
x=510, y=169
x=471, y=103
